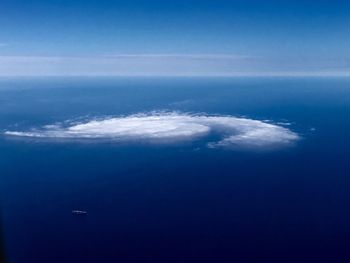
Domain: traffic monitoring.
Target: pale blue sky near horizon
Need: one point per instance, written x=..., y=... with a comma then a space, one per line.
x=175, y=38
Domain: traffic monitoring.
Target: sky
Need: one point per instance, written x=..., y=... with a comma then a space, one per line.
x=175, y=38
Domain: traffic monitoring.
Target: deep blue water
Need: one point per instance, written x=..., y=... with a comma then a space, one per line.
x=178, y=202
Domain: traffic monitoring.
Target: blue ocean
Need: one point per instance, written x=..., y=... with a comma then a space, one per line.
x=242, y=169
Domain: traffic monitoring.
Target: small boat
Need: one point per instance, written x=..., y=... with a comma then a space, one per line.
x=79, y=212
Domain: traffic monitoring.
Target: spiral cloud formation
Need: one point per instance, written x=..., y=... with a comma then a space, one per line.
x=172, y=127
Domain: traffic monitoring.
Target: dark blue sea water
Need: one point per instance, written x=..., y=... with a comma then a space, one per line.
x=178, y=202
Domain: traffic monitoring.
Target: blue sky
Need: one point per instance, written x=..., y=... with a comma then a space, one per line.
x=106, y=37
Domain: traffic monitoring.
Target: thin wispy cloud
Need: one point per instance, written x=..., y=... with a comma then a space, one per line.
x=179, y=56
x=169, y=65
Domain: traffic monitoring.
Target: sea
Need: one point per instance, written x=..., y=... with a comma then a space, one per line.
x=175, y=169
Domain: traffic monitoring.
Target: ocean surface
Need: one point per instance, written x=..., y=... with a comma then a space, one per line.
x=175, y=169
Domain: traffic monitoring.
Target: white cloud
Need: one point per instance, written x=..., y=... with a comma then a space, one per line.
x=172, y=127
